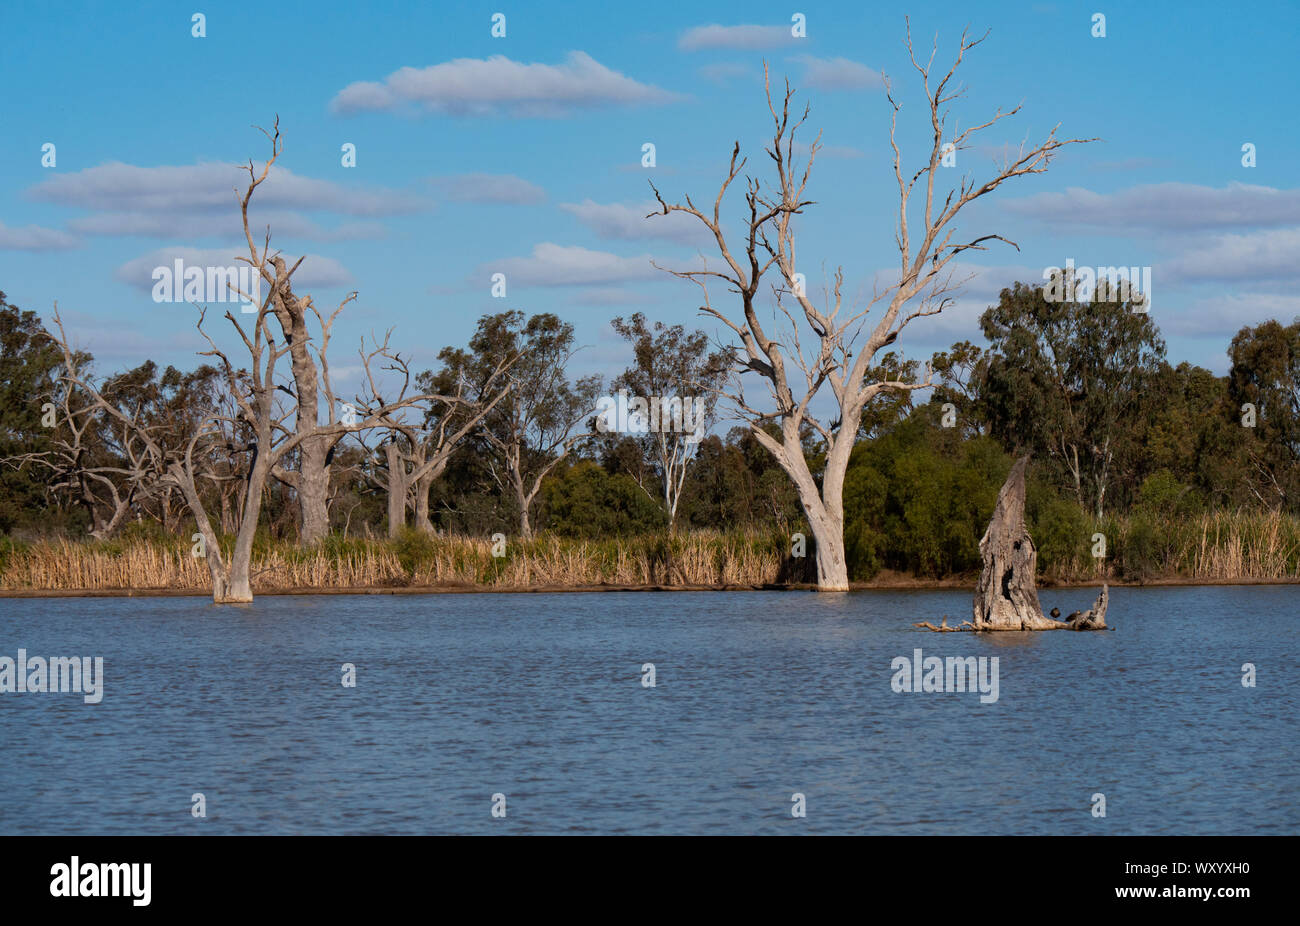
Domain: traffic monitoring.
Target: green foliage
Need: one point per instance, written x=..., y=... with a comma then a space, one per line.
x=1139, y=548
x=414, y=549
x=919, y=498
x=1266, y=373
x=1067, y=381
x=29, y=362
x=1060, y=530
x=1153, y=456
x=146, y=531
x=586, y=501
x=10, y=548
x=1163, y=496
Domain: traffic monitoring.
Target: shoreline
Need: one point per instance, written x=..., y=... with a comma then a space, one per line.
x=892, y=583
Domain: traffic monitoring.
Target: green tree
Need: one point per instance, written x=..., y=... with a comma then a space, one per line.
x=669, y=363
x=1266, y=373
x=582, y=500
x=1067, y=379
x=29, y=363
x=542, y=417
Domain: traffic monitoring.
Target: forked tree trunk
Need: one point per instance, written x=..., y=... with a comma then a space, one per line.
x=231, y=581
x=314, y=486
x=398, y=489
x=1007, y=597
x=824, y=510
x=312, y=480
x=423, y=486
x=828, y=539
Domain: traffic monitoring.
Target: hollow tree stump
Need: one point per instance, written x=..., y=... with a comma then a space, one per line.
x=1007, y=597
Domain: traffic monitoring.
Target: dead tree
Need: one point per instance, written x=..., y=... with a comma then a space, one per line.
x=258, y=419
x=390, y=472
x=106, y=470
x=415, y=456
x=842, y=346
x=1006, y=597
x=310, y=480
x=433, y=445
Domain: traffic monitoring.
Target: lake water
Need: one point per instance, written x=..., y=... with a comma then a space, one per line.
x=758, y=695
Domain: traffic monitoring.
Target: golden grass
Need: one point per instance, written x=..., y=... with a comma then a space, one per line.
x=1243, y=546
x=1214, y=547
x=1219, y=546
x=700, y=558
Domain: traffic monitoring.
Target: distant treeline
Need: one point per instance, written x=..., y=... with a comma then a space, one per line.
x=1171, y=464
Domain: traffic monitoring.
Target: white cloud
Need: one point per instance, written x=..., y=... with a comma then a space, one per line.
x=118, y=187
x=632, y=221
x=1220, y=317
x=724, y=72
x=1174, y=206
x=987, y=283
x=837, y=74
x=748, y=37
x=35, y=238
x=1260, y=256
x=974, y=282
x=200, y=201
x=473, y=86
x=491, y=188
x=559, y=265
x=195, y=225
x=609, y=296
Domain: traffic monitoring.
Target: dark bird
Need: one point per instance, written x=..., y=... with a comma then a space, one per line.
x=1056, y=612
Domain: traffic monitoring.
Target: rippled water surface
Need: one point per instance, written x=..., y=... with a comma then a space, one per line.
x=759, y=695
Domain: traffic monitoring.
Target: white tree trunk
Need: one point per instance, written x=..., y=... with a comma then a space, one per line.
x=398, y=489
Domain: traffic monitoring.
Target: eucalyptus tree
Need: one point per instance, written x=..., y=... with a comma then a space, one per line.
x=29, y=368
x=675, y=369
x=841, y=346
x=539, y=415
x=1264, y=383
x=259, y=426
x=1067, y=379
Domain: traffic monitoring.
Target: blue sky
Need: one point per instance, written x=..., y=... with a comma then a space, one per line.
x=523, y=155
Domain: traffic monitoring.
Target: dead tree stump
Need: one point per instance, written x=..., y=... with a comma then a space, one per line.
x=1007, y=596
x=1095, y=617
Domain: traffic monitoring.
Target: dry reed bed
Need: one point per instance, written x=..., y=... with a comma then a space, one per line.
x=703, y=558
x=1220, y=546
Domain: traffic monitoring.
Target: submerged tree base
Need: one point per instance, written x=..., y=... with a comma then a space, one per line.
x=1092, y=619
x=1006, y=597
